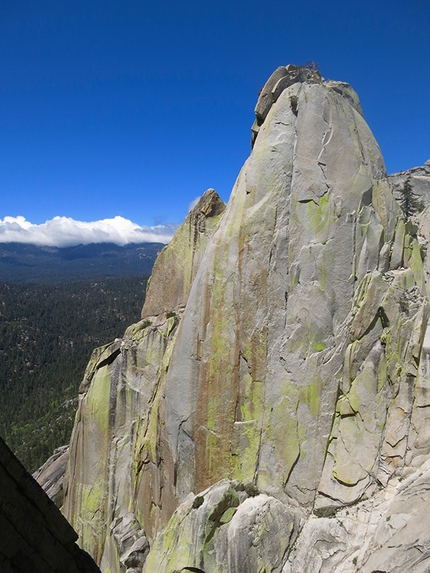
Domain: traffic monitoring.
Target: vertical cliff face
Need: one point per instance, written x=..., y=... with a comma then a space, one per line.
x=118, y=405
x=293, y=383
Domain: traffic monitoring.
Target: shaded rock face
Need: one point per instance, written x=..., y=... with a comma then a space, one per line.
x=291, y=380
x=34, y=536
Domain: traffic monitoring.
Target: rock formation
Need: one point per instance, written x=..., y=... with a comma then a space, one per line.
x=121, y=380
x=270, y=411
x=50, y=476
x=34, y=536
x=419, y=178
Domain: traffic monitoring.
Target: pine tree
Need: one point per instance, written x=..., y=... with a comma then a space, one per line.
x=409, y=201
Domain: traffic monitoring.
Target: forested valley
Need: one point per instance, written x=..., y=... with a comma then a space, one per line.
x=47, y=334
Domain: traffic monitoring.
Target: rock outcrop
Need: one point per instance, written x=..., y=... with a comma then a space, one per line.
x=176, y=266
x=275, y=393
x=34, y=536
x=50, y=476
x=419, y=178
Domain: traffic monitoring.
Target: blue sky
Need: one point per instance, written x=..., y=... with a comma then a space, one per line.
x=130, y=110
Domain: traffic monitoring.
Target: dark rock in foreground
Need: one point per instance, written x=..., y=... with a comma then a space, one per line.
x=34, y=536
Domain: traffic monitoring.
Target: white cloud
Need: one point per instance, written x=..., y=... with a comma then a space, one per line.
x=66, y=232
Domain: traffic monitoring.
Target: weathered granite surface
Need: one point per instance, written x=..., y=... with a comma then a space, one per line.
x=34, y=536
x=274, y=396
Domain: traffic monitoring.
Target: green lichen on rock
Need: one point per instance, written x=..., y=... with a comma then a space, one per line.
x=319, y=215
x=415, y=263
x=376, y=400
x=120, y=389
x=247, y=431
x=228, y=531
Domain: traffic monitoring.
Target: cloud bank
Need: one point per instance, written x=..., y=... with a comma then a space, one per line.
x=66, y=232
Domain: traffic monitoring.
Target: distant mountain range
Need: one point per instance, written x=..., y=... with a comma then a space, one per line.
x=30, y=263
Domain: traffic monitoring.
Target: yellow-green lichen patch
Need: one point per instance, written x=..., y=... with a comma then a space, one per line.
x=190, y=539
x=245, y=448
x=98, y=354
x=219, y=383
x=147, y=427
x=317, y=345
x=246, y=431
x=229, y=500
x=307, y=340
x=386, y=207
x=137, y=330
x=402, y=339
x=146, y=441
x=282, y=435
x=286, y=427
x=175, y=548
x=360, y=421
x=318, y=216
x=92, y=518
x=311, y=394
x=99, y=398
x=415, y=263
x=227, y=515
x=252, y=405
x=407, y=249
x=343, y=407
x=397, y=249
x=361, y=291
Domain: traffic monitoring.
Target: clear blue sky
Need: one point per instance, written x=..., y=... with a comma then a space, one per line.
x=133, y=108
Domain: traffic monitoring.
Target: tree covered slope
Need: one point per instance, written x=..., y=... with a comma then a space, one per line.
x=47, y=334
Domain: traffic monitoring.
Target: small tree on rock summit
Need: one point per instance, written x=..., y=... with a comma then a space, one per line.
x=409, y=201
